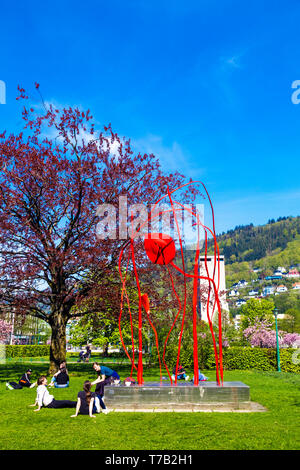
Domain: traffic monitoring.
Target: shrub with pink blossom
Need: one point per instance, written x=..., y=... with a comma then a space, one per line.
x=291, y=340
x=263, y=335
x=5, y=331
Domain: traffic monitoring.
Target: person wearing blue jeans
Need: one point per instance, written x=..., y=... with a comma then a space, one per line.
x=105, y=377
x=201, y=377
x=181, y=374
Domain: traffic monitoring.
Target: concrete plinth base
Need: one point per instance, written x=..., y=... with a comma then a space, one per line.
x=208, y=396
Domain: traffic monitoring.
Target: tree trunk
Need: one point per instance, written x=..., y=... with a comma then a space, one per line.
x=58, y=322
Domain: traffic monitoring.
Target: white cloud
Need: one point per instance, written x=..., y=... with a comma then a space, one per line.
x=173, y=157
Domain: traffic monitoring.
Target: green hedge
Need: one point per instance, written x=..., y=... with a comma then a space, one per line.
x=235, y=357
x=27, y=350
x=238, y=357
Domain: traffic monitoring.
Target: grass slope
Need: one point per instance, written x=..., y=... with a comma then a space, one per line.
x=278, y=428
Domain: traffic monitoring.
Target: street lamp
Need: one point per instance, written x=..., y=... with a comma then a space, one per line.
x=275, y=312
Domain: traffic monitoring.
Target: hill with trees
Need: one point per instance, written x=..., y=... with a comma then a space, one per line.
x=249, y=243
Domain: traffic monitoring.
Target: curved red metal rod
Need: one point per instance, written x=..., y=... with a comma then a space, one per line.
x=179, y=310
x=156, y=341
x=133, y=366
x=184, y=304
x=219, y=361
x=200, y=277
x=140, y=357
x=216, y=260
x=215, y=246
x=195, y=295
x=208, y=314
x=121, y=312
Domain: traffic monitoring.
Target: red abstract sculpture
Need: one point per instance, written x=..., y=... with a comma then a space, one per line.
x=160, y=249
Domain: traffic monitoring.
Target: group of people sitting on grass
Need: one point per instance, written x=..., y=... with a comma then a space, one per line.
x=87, y=403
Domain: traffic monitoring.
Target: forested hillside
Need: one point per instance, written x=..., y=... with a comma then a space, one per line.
x=250, y=243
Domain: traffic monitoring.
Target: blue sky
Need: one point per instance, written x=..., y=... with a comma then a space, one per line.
x=205, y=85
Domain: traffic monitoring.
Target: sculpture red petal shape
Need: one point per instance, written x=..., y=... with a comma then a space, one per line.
x=160, y=248
x=145, y=302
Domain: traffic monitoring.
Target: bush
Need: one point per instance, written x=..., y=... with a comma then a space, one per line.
x=37, y=350
x=255, y=359
x=235, y=357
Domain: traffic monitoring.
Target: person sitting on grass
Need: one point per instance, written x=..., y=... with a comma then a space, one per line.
x=202, y=377
x=44, y=399
x=81, y=356
x=87, y=401
x=23, y=382
x=61, y=378
x=181, y=373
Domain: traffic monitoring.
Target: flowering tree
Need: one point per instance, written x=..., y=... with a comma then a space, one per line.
x=50, y=257
x=263, y=335
x=5, y=331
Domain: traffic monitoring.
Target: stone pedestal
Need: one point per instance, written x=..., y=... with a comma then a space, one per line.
x=183, y=397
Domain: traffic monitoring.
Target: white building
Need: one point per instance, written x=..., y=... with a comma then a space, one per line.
x=269, y=290
x=204, y=286
x=237, y=321
x=253, y=293
x=281, y=288
x=233, y=293
x=292, y=273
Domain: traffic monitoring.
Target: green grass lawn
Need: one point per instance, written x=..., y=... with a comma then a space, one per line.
x=278, y=428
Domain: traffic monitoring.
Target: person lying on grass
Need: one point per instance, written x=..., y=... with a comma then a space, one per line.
x=61, y=378
x=87, y=401
x=43, y=397
x=23, y=382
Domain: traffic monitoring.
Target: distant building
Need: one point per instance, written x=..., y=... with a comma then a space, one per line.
x=242, y=283
x=277, y=273
x=274, y=277
x=253, y=293
x=233, y=293
x=281, y=288
x=293, y=273
x=240, y=302
x=268, y=290
x=296, y=285
x=237, y=321
x=204, y=284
